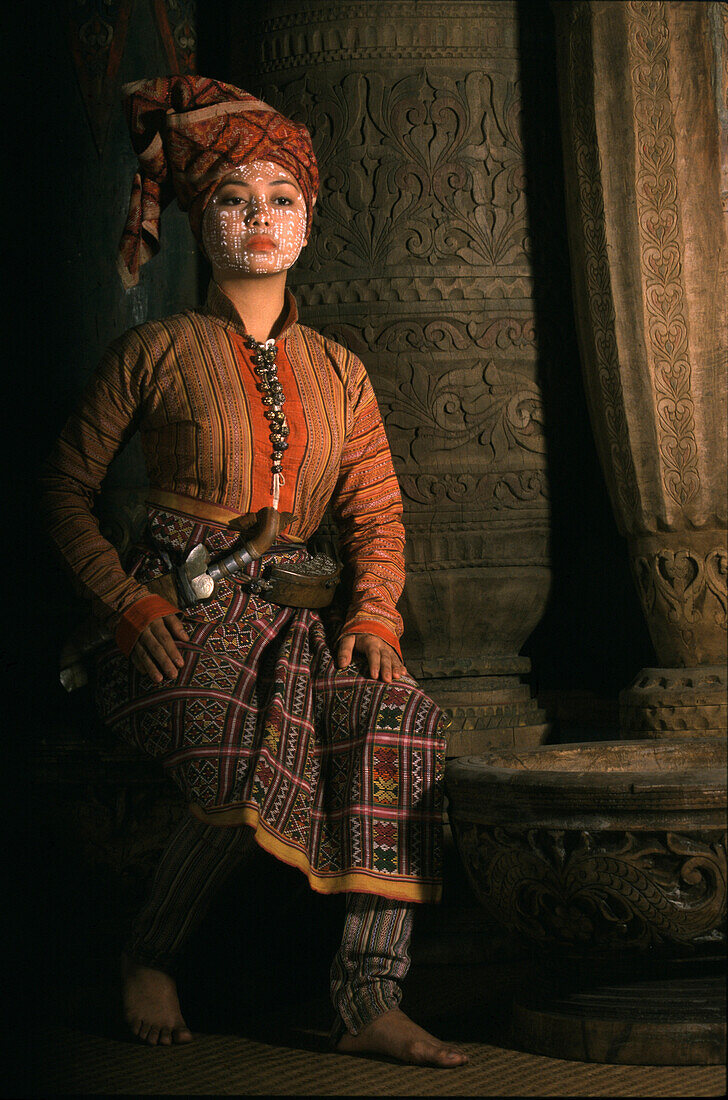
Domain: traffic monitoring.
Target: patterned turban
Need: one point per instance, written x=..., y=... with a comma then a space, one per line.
x=188, y=132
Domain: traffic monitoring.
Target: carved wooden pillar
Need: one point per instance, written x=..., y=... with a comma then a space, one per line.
x=419, y=263
x=643, y=89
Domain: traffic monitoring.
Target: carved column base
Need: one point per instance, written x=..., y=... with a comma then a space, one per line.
x=675, y=703
x=488, y=711
x=608, y=861
x=681, y=580
x=670, y=1016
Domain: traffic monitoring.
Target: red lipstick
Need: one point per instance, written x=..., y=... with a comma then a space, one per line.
x=260, y=243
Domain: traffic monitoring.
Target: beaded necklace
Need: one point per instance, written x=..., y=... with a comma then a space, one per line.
x=273, y=397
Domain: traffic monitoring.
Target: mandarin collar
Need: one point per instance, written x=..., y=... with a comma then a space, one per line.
x=220, y=308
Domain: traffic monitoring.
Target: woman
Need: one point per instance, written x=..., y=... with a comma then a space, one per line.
x=255, y=708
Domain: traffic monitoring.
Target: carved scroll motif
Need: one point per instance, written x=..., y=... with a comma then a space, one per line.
x=478, y=404
x=432, y=177
x=420, y=264
x=684, y=586
x=446, y=334
x=434, y=170
x=661, y=248
x=716, y=578
x=599, y=890
x=599, y=288
x=493, y=491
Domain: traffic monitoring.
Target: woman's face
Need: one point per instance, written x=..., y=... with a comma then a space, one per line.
x=255, y=223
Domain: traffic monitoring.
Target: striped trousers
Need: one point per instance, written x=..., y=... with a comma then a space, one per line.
x=367, y=970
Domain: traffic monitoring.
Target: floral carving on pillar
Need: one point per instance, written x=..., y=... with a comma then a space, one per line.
x=599, y=890
x=420, y=264
x=662, y=249
x=445, y=172
x=684, y=586
x=428, y=417
x=434, y=173
x=641, y=88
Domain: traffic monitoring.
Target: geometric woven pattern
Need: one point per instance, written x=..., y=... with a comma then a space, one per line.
x=340, y=775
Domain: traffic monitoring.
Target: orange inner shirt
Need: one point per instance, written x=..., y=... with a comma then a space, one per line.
x=297, y=438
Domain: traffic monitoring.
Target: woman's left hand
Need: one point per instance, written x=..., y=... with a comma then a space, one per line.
x=384, y=662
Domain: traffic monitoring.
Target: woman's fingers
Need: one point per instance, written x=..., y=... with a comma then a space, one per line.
x=136, y=660
x=374, y=655
x=144, y=664
x=384, y=662
x=391, y=668
x=346, y=649
x=175, y=627
x=163, y=645
x=155, y=653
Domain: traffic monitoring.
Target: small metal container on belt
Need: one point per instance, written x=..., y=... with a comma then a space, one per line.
x=310, y=583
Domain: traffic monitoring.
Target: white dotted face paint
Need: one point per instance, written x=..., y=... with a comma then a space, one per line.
x=255, y=223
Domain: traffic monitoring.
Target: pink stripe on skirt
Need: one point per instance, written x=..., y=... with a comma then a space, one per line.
x=339, y=774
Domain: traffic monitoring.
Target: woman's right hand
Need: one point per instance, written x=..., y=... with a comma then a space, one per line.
x=155, y=652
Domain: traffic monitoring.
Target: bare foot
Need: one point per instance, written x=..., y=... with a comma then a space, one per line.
x=395, y=1035
x=151, y=1007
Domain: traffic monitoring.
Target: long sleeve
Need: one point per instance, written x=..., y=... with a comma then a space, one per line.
x=367, y=507
x=101, y=425
x=186, y=384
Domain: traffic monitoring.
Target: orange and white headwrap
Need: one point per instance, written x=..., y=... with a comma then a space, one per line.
x=188, y=133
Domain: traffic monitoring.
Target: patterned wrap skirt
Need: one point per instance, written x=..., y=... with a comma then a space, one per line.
x=338, y=774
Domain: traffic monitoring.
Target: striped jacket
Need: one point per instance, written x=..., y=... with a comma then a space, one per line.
x=187, y=385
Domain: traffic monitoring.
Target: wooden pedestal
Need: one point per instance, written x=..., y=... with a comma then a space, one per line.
x=678, y=1020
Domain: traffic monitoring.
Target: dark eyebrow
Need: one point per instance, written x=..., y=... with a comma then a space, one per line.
x=244, y=183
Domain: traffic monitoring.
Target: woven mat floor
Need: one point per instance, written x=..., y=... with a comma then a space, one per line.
x=81, y=1064
x=88, y=1054
x=254, y=989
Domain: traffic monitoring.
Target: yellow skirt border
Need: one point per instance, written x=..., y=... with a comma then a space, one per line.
x=356, y=882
